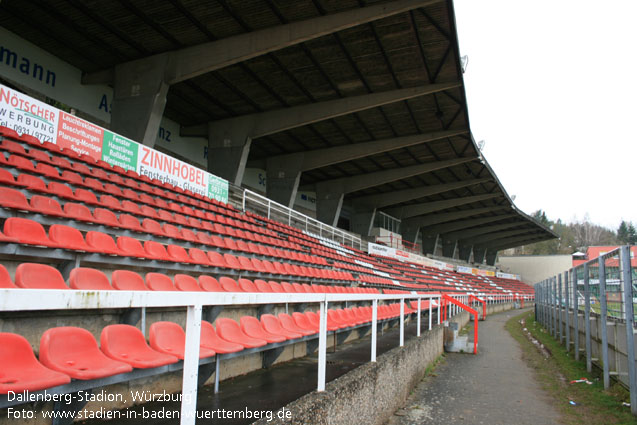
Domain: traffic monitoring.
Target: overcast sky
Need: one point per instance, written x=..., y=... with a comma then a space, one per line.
x=552, y=89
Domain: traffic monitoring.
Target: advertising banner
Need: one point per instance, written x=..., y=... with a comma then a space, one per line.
x=26, y=115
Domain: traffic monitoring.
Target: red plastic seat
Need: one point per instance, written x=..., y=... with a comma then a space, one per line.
x=27, y=232
x=288, y=323
x=171, y=231
x=45, y=205
x=253, y=328
x=302, y=321
x=170, y=338
x=21, y=163
x=184, y=282
x=61, y=162
x=33, y=183
x=229, y=330
x=210, y=339
x=131, y=247
x=287, y=287
x=78, y=212
x=314, y=319
x=86, y=196
x=126, y=280
x=276, y=287
x=68, y=238
x=127, y=344
x=232, y=262
x=229, y=285
x=130, y=222
x=11, y=198
x=156, y=251
x=131, y=207
x=159, y=282
x=89, y=279
x=5, y=280
x=272, y=324
x=199, y=257
x=38, y=276
x=262, y=286
x=210, y=284
x=153, y=227
x=109, y=202
x=102, y=243
x=178, y=254
x=72, y=177
x=217, y=260
x=247, y=285
x=74, y=351
x=19, y=369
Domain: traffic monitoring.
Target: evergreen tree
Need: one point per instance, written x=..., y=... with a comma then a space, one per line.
x=631, y=234
x=622, y=232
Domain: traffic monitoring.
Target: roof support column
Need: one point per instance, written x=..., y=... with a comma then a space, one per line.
x=491, y=256
x=464, y=252
x=448, y=247
x=228, y=149
x=409, y=230
x=329, y=201
x=283, y=175
x=139, y=99
x=429, y=244
x=478, y=254
x=362, y=222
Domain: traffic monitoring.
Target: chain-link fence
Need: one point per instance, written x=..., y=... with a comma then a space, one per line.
x=591, y=309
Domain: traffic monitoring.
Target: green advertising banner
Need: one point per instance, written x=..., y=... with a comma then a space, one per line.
x=118, y=150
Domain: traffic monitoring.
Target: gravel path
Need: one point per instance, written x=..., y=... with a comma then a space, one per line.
x=493, y=387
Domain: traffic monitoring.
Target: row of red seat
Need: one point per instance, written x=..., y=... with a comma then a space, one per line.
x=58, y=157
x=26, y=231
x=14, y=199
x=72, y=353
x=42, y=276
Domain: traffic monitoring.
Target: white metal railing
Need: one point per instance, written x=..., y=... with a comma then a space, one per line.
x=257, y=203
x=50, y=299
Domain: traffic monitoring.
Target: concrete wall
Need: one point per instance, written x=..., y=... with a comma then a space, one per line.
x=372, y=392
x=534, y=268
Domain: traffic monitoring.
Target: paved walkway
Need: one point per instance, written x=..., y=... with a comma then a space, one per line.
x=494, y=387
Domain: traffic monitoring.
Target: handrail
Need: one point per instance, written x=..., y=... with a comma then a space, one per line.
x=484, y=304
x=471, y=311
x=54, y=299
x=293, y=218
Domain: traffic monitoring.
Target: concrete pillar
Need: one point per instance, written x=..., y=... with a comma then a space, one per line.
x=448, y=247
x=329, y=201
x=464, y=252
x=362, y=221
x=228, y=150
x=283, y=177
x=429, y=244
x=491, y=257
x=139, y=99
x=478, y=254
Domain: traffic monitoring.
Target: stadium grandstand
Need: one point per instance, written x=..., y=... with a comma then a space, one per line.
x=253, y=181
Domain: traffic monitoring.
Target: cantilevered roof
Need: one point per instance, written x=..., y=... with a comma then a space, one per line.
x=370, y=155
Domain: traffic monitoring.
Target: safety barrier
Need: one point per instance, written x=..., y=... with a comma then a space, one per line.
x=595, y=300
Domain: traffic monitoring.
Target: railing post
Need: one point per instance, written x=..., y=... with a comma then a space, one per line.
x=560, y=331
x=568, y=313
x=402, y=322
x=576, y=315
x=602, y=316
x=418, y=324
x=430, y=311
x=587, y=319
x=554, y=302
x=191, y=365
x=630, y=318
x=322, y=354
x=374, y=327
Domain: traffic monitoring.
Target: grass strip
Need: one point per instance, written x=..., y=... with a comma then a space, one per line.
x=593, y=404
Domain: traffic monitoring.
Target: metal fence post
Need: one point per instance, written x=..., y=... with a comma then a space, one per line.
x=576, y=315
x=560, y=331
x=603, y=312
x=418, y=325
x=630, y=318
x=322, y=354
x=587, y=319
x=554, y=302
x=191, y=365
x=374, y=327
x=568, y=313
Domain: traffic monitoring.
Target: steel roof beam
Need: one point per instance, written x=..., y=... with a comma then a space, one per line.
x=429, y=207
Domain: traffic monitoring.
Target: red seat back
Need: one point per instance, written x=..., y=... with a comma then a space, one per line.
x=90, y=279
x=38, y=276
